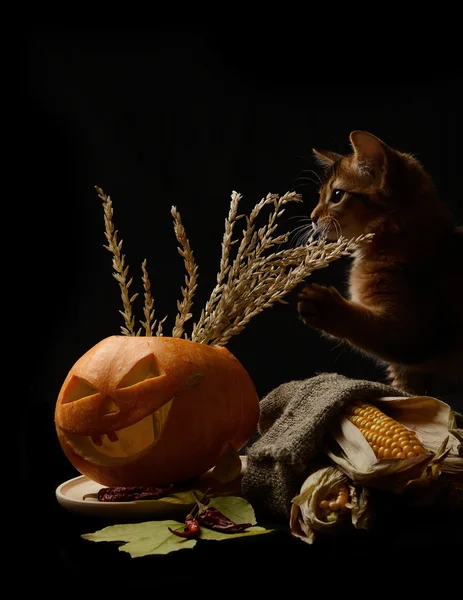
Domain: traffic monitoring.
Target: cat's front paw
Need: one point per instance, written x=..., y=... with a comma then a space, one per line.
x=321, y=307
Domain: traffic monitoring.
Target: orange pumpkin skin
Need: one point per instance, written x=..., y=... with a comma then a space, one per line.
x=153, y=410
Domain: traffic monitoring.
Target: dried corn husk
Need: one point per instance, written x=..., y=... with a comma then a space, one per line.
x=308, y=515
x=432, y=420
x=434, y=425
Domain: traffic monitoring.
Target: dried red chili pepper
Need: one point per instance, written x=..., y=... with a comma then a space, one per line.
x=191, y=530
x=131, y=493
x=214, y=519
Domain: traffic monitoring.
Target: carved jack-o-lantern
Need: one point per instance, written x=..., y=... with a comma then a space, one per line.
x=153, y=410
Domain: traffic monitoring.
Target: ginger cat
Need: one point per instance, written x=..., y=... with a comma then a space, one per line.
x=405, y=305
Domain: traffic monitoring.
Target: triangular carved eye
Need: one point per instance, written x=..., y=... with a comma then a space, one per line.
x=77, y=389
x=146, y=368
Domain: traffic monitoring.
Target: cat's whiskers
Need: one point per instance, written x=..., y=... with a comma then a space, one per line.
x=300, y=217
x=302, y=234
x=315, y=173
x=304, y=182
x=306, y=178
x=317, y=182
x=337, y=227
x=302, y=228
x=325, y=224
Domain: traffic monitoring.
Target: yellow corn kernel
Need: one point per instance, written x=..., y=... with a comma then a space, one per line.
x=387, y=437
x=336, y=501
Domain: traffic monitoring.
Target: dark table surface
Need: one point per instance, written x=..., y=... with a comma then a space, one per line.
x=409, y=547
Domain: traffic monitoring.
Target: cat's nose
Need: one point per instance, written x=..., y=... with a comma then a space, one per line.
x=316, y=214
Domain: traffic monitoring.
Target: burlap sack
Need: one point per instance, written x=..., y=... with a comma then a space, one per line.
x=293, y=420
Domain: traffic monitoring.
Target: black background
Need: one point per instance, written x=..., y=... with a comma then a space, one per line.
x=182, y=115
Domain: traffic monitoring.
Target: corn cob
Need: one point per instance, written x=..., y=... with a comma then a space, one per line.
x=387, y=437
x=337, y=500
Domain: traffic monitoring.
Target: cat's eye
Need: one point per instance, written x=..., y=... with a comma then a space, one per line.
x=336, y=196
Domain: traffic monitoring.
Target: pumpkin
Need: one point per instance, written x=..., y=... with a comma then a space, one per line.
x=153, y=410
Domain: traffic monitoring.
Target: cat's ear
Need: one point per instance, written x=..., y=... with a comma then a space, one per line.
x=370, y=153
x=325, y=158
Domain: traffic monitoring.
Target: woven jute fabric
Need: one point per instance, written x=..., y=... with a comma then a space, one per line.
x=294, y=417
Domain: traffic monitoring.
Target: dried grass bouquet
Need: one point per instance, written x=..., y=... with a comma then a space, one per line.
x=256, y=271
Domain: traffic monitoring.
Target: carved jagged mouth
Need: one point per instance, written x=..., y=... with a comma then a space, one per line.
x=120, y=446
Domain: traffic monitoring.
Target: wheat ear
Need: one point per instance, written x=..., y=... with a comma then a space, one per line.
x=255, y=279
x=283, y=272
x=148, y=308
x=191, y=278
x=224, y=267
x=120, y=270
x=258, y=277
x=235, y=280
x=149, y=323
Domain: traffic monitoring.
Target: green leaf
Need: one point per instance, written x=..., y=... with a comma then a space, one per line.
x=210, y=534
x=143, y=539
x=238, y=510
x=235, y=508
x=154, y=537
x=186, y=499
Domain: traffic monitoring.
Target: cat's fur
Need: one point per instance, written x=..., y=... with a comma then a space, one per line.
x=405, y=305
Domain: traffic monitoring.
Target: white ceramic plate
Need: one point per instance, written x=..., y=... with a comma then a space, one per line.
x=70, y=495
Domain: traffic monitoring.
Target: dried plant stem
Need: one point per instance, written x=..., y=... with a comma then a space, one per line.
x=120, y=270
x=257, y=278
x=269, y=280
x=191, y=278
x=149, y=323
x=252, y=243
x=261, y=272
x=224, y=268
x=148, y=311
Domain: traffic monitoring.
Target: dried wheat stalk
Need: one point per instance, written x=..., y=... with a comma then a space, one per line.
x=149, y=323
x=259, y=277
x=255, y=278
x=184, y=307
x=120, y=270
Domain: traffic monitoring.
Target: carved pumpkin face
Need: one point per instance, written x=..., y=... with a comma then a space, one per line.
x=153, y=410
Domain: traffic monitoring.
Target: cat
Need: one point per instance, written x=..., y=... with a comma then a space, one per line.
x=405, y=286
